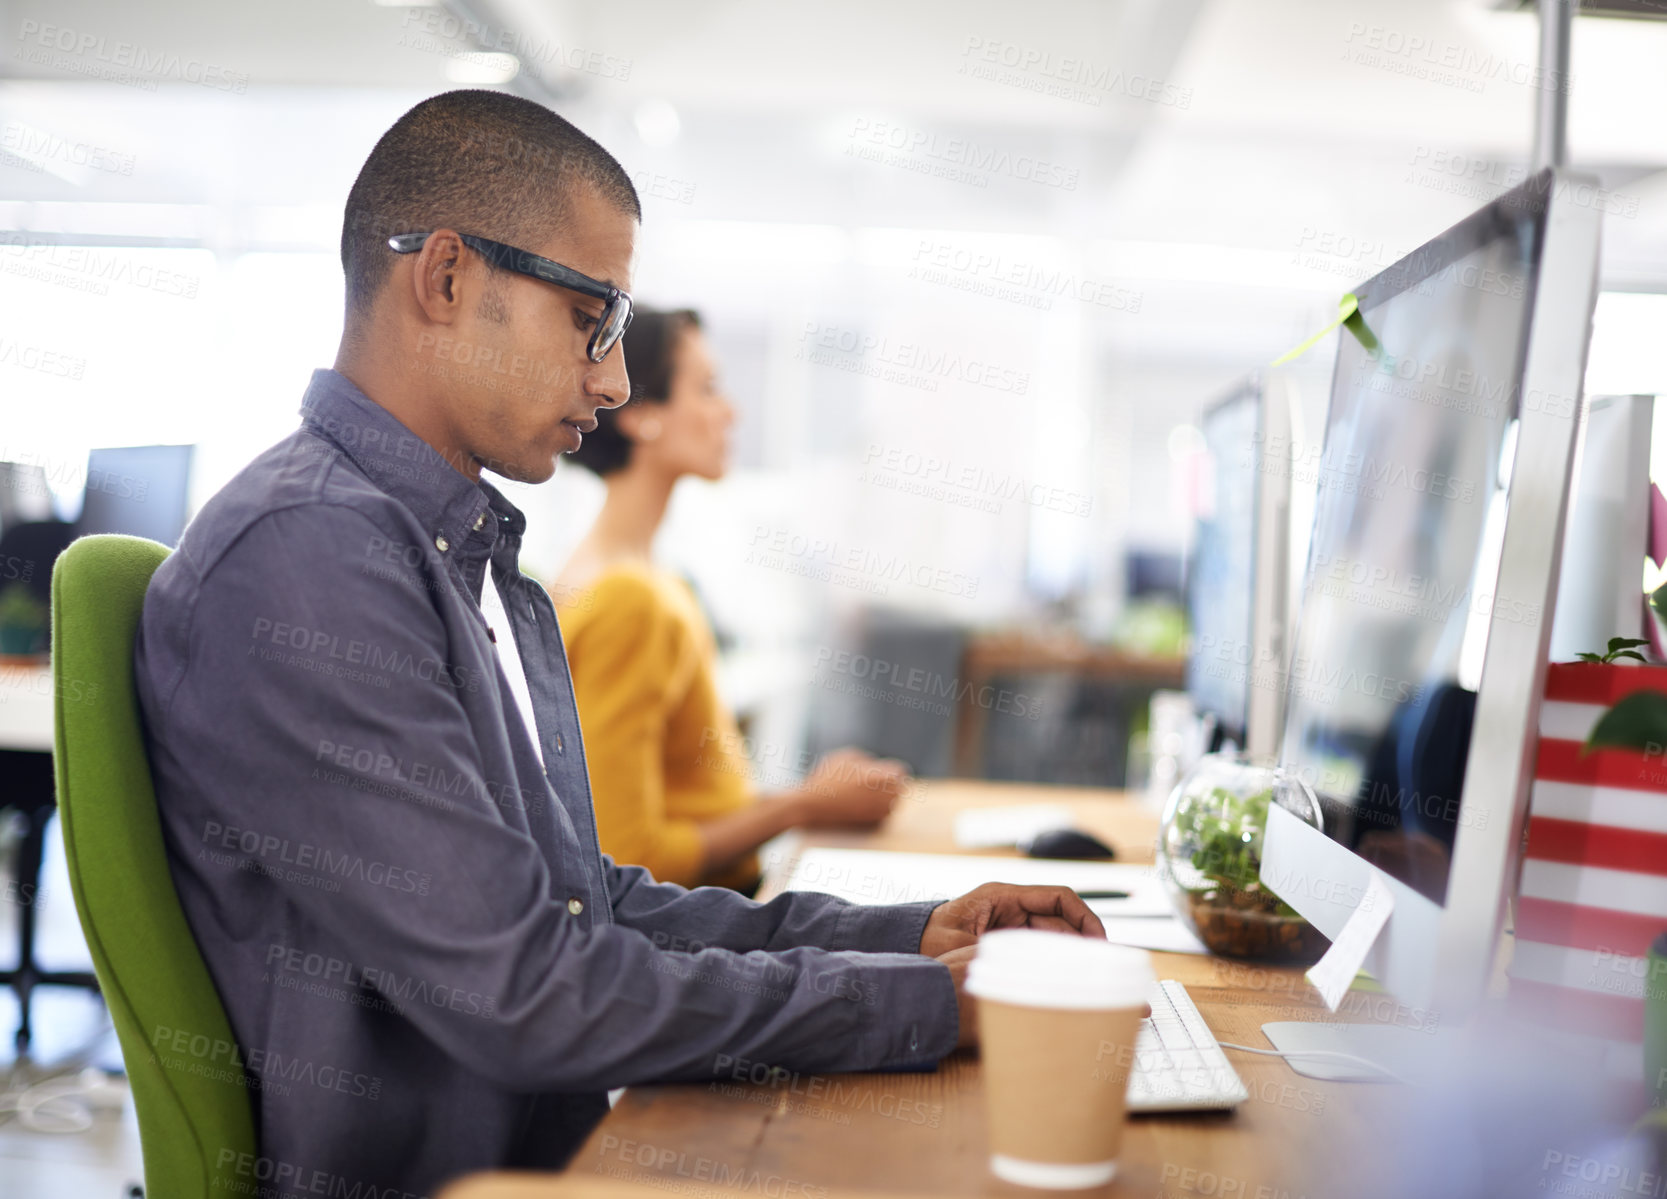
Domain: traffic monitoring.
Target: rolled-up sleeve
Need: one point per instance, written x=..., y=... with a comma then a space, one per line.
x=288, y=679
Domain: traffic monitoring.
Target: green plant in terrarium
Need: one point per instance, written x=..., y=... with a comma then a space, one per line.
x=1229, y=831
x=1210, y=858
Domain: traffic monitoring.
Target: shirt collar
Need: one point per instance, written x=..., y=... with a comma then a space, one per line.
x=405, y=466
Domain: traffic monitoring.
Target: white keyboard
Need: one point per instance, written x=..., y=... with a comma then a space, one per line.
x=1178, y=1066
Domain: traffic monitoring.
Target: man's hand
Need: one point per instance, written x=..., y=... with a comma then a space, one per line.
x=959, y=923
x=966, y=1007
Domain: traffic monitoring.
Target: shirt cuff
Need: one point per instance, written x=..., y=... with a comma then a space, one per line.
x=915, y=1020
x=882, y=928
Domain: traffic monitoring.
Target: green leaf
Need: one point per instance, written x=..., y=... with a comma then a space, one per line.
x=1619, y=647
x=1658, y=601
x=1638, y=721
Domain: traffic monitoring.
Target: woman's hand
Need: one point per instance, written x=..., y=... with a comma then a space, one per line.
x=850, y=787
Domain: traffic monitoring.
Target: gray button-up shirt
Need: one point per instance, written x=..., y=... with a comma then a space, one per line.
x=428, y=964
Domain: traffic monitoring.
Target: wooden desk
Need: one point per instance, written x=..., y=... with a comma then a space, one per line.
x=813, y=1137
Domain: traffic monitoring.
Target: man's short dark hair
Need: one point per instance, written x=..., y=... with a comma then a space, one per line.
x=651, y=361
x=480, y=162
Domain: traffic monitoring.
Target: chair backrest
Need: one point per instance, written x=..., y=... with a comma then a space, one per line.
x=196, y=1120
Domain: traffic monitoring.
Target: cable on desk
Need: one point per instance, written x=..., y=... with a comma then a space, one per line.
x=54, y=1104
x=1331, y=1053
x=60, y=1100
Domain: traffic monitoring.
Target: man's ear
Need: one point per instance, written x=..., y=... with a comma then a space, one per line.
x=437, y=276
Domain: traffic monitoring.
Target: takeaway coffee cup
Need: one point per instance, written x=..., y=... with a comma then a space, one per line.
x=1057, y=1020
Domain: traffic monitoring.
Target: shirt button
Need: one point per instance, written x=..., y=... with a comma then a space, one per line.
x=479, y=521
x=914, y=1041
x=559, y=748
x=441, y=544
x=575, y=905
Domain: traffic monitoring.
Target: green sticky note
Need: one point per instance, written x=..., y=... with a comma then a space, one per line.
x=1348, y=315
x=1365, y=982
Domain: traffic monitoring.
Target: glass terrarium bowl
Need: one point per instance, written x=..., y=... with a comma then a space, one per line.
x=1210, y=855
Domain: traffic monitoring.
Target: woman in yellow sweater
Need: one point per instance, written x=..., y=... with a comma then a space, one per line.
x=671, y=787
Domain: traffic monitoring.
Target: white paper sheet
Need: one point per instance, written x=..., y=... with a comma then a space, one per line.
x=1146, y=932
x=1333, y=974
x=874, y=876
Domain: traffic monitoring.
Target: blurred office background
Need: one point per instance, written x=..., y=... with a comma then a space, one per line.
x=973, y=272
x=972, y=277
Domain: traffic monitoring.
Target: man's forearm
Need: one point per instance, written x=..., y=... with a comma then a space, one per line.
x=675, y=918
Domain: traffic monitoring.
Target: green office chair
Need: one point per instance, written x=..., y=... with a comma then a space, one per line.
x=196, y=1122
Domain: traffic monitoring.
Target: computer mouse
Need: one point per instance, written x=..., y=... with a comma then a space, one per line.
x=1068, y=843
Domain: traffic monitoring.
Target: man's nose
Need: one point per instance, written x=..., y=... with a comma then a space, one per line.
x=608, y=381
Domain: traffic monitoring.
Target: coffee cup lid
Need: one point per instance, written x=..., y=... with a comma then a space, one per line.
x=1036, y=968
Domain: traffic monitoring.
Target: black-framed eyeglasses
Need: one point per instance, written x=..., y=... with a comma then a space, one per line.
x=616, y=304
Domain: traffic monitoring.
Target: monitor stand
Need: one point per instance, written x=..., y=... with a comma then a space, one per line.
x=1407, y=1054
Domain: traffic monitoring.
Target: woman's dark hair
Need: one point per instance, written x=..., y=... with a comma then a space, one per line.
x=650, y=358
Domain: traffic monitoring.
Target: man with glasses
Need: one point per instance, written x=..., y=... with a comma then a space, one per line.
x=367, y=758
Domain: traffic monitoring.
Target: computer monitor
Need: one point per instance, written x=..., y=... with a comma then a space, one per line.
x=1236, y=581
x=1420, y=651
x=1152, y=575
x=142, y=491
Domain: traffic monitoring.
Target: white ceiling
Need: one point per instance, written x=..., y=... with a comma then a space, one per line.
x=1291, y=123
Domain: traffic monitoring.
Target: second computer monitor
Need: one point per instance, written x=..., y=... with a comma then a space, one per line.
x=1236, y=581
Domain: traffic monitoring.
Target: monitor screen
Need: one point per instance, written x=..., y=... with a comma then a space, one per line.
x=1398, y=597
x=1152, y=575
x=1220, y=580
x=141, y=491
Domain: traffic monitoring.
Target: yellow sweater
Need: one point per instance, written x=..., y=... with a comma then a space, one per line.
x=662, y=749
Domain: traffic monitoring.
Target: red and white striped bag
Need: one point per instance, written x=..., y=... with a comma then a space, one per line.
x=1594, y=878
